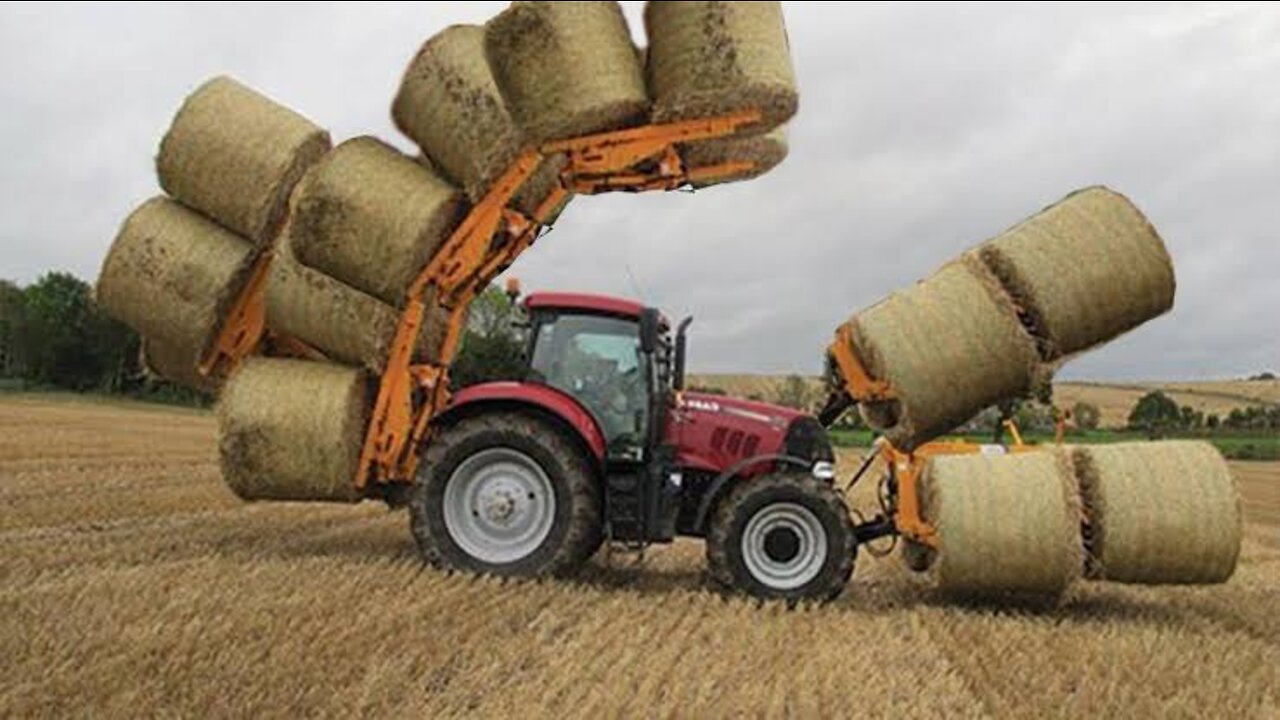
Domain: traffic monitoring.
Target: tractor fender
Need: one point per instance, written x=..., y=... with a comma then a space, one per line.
x=543, y=398
x=730, y=473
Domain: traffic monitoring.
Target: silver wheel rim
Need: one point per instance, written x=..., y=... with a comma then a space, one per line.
x=803, y=541
x=499, y=506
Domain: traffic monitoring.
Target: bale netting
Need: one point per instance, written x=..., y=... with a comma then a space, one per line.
x=1084, y=270
x=372, y=218
x=340, y=321
x=1005, y=523
x=765, y=151
x=235, y=156
x=1159, y=512
x=714, y=58
x=950, y=346
x=293, y=430
x=178, y=364
x=172, y=275
x=566, y=68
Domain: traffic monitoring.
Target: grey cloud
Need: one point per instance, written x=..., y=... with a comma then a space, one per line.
x=923, y=129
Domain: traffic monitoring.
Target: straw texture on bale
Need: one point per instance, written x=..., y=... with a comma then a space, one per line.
x=1084, y=270
x=293, y=430
x=950, y=346
x=177, y=364
x=712, y=58
x=235, y=156
x=1005, y=523
x=345, y=324
x=372, y=218
x=171, y=275
x=1160, y=512
x=566, y=68
x=766, y=151
x=451, y=106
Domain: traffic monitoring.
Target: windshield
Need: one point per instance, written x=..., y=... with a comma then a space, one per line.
x=597, y=360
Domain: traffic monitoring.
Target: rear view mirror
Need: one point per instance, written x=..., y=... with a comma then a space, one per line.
x=649, y=330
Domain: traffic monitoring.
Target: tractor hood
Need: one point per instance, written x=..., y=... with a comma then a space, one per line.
x=716, y=432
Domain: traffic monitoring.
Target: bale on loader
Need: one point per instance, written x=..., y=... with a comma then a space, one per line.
x=1160, y=512
x=713, y=58
x=1083, y=271
x=1005, y=523
x=235, y=156
x=766, y=151
x=950, y=346
x=177, y=364
x=450, y=105
x=293, y=430
x=372, y=218
x=171, y=275
x=566, y=68
x=345, y=324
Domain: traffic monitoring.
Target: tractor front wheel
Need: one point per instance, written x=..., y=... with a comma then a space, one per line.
x=783, y=535
x=506, y=494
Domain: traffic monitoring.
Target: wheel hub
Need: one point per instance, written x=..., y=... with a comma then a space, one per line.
x=499, y=505
x=784, y=546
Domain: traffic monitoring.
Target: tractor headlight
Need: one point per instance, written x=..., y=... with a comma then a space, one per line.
x=824, y=470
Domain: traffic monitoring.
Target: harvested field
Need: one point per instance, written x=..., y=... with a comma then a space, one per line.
x=132, y=582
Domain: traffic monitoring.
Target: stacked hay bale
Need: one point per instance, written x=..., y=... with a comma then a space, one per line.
x=293, y=430
x=566, y=68
x=1083, y=271
x=229, y=160
x=715, y=58
x=1162, y=512
x=362, y=225
x=449, y=104
x=1005, y=523
x=950, y=346
x=997, y=323
x=171, y=275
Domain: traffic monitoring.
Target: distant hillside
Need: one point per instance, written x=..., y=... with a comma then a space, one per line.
x=1114, y=400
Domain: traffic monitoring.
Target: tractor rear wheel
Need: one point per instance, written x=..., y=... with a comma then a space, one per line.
x=506, y=493
x=783, y=535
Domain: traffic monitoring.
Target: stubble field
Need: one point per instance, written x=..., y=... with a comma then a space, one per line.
x=132, y=583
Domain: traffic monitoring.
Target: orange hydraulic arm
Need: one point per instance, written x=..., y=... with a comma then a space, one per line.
x=487, y=242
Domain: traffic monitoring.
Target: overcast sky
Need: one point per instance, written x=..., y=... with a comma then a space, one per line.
x=923, y=129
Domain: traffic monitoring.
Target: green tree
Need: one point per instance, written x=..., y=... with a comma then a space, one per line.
x=1156, y=413
x=67, y=341
x=1213, y=421
x=1087, y=415
x=492, y=345
x=793, y=393
x=12, y=329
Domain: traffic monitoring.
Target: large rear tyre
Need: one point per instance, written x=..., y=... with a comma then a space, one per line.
x=506, y=493
x=783, y=536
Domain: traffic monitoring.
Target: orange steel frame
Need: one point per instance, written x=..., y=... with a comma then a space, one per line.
x=908, y=467
x=489, y=239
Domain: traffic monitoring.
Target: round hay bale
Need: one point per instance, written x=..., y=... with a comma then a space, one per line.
x=566, y=68
x=293, y=430
x=451, y=106
x=1084, y=270
x=1005, y=523
x=766, y=151
x=178, y=364
x=1160, y=512
x=950, y=346
x=714, y=58
x=372, y=218
x=235, y=156
x=345, y=324
x=171, y=275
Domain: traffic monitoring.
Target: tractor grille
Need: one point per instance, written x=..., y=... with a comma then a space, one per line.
x=734, y=442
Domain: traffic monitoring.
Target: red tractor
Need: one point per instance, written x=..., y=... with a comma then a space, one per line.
x=601, y=442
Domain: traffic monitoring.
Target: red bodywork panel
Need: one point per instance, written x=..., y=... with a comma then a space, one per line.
x=713, y=432
x=543, y=397
x=585, y=302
